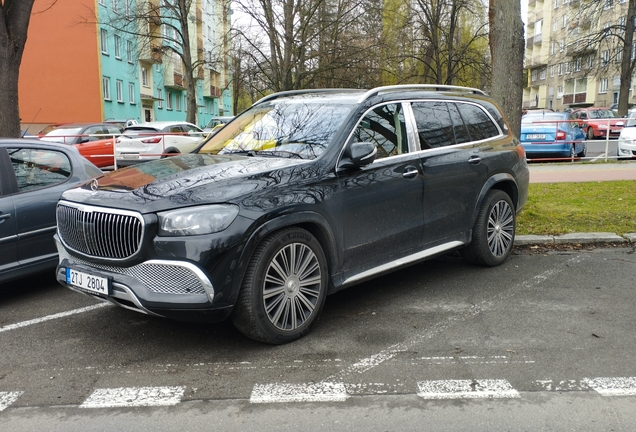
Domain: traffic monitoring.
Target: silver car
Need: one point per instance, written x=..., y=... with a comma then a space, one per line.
x=627, y=140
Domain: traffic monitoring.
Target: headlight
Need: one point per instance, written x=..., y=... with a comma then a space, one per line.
x=197, y=220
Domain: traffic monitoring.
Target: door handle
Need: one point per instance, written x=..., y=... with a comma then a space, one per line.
x=4, y=216
x=410, y=172
x=474, y=160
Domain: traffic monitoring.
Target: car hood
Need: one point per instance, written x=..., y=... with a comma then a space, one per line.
x=613, y=122
x=190, y=179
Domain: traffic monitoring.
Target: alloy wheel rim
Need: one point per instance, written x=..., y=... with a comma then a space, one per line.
x=500, y=228
x=291, y=287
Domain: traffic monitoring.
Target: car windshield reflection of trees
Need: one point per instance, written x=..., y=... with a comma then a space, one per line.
x=292, y=130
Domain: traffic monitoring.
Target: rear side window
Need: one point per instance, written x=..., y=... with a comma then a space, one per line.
x=479, y=124
x=37, y=169
x=434, y=125
x=461, y=133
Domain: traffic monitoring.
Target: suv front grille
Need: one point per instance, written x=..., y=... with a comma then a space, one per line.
x=99, y=232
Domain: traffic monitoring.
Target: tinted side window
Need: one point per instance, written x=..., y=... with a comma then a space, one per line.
x=37, y=169
x=434, y=125
x=461, y=133
x=479, y=125
x=384, y=126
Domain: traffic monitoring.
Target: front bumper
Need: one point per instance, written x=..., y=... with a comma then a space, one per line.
x=167, y=288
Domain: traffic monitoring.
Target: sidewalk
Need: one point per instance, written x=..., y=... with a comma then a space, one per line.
x=553, y=173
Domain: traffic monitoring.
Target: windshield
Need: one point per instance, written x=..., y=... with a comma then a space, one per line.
x=602, y=114
x=281, y=128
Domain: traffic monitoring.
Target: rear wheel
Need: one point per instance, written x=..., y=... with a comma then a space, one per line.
x=284, y=288
x=494, y=231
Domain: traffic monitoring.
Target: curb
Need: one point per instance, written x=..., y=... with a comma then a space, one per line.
x=575, y=238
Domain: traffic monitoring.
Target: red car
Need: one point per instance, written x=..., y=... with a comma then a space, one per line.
x=596, y=122
x=99, y=152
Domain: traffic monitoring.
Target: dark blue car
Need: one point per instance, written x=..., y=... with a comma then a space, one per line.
x=551, y=135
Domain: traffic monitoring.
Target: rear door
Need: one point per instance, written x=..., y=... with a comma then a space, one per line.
x=454, y=169
x=41, y=176
x=8, y=234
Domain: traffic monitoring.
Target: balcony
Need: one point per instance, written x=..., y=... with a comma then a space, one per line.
x=150, y=54
x=574, y=98
x=175, y=81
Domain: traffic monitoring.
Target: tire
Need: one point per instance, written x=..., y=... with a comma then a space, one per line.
x=590, y=133
x=284, y=288
x=583, y=152
x=494, y=231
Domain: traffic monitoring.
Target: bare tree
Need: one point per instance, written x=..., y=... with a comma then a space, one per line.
x=14, y=24
x=507, y=48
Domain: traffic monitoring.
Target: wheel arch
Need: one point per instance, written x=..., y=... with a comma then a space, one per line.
x=504, y=182
x=313, y=222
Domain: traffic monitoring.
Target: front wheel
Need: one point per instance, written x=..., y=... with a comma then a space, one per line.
x=494, y=231
x=590, y=133
x=284, y=288
x=583, y=152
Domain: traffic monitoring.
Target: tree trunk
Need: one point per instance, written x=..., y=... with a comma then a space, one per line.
x=627, y=64
x=14, y=24
x=507, y=47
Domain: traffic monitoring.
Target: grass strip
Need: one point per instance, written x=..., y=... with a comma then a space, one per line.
x=561, y=208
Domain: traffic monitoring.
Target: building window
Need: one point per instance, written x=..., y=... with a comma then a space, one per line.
x=555, y=25
x=608, y=4
x=116, y=5
x=542, y=74
x=564, y=20
x=144, y=77
x=590, y=62
x=160, y=97
x=101, y=2
x=117, y=47
x=605, y=57
x=106, y=88
x=119, y=85
x=552, y=71
x=633, y=51
x=556, y=4
x=103, y=40
x=560, y=69
x=129, y=48
x=127, y=8
x=568, y=67
x=553, y=48
x=562, y=45
x=177, y=101
x=602, y=85
x=169, y=100
x=533, y=75
x=577, y=65
x=619, y=56
x=131, y=93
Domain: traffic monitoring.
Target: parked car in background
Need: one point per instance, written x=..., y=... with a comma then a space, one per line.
x=33, y=175
x=598, y=122
x=153, y=140
x=48, y=129
x=627, y=140
x=216, y=122
x=122, y=123
x=552, y=135
x=100, y=152
x=77, y=133
x=305, y=193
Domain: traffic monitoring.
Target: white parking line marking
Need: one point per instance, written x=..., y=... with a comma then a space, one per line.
x=466, y=389
x=134, y=397
x=52, y=317
x=314, y=392
x=7, y=398
x=625, y=386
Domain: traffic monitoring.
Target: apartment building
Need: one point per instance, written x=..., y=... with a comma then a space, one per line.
x=568, y=62
x=86, y=61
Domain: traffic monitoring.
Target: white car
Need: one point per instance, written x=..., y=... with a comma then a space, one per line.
x=627, y=140
x=154, y=140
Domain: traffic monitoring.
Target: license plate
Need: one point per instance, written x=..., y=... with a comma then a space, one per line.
x=130, y=155
x=535, y=136
x=88, y=282
x=615, y=131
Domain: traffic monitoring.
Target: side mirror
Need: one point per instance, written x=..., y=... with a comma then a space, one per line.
x=358, y=154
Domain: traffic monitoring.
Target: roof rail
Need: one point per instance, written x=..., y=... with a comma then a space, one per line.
x=296, y=92
x=434, y=87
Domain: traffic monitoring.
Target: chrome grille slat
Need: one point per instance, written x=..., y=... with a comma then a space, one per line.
x=98, y=231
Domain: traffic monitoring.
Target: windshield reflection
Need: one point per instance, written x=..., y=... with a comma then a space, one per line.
x=287, y=128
